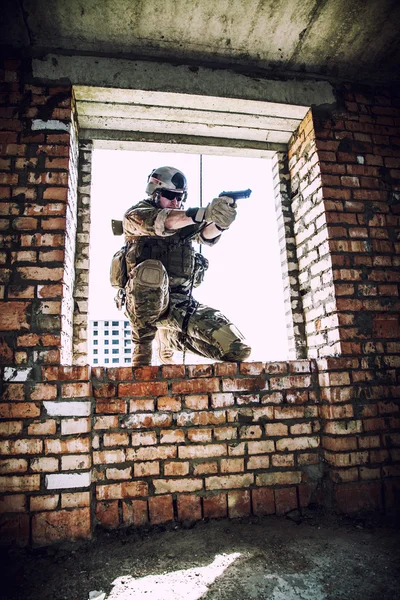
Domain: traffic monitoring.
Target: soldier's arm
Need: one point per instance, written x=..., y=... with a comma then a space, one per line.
x=147, y=220
x=177, y=219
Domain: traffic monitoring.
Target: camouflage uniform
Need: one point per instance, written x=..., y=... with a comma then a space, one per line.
x=162, y=265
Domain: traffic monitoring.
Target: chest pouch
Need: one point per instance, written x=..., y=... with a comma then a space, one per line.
x=201, y=266
x=118, y=270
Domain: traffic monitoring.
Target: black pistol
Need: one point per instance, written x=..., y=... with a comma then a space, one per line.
x=236, y=195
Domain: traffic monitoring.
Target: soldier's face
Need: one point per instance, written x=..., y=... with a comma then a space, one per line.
x=168, y=203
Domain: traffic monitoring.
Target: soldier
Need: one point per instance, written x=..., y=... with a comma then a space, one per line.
x=163, y=267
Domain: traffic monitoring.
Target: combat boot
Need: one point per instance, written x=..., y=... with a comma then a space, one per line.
x=141, y=354
x=165, y=352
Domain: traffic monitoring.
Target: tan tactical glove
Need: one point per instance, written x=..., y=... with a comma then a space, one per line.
x=218, y=211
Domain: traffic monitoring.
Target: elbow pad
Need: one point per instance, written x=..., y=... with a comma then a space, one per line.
x=196, y=214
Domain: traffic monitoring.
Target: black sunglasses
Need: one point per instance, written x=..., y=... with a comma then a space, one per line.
x=170, y=195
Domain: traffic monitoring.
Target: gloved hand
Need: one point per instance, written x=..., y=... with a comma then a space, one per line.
x=221, y=212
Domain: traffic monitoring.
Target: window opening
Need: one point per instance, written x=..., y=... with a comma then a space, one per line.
x=244, y=279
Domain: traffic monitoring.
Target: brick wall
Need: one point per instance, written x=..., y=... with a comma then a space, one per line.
x=345, y=173
x=38, y=219
x=81, y=290
x=154, y=444
x=123, y=446
x=215, y=441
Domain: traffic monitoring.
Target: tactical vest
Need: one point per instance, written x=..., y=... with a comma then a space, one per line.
x=175, y=252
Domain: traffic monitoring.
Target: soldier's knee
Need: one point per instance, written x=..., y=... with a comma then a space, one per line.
x=237, y=352
x=150, y=273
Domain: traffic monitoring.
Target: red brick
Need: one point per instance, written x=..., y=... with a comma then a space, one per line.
x=117, y=474
x=10, y=428
x=153, y=388
x=181, y=485
x=76, y=390
x=21, y=446
x=151, y=453
x=168, y=403
x=146, y=469
x=146, y=373
x=255, y=384
x=14, y=392
x=125, y=489
x=308, y=494
x=282, y=460
x=76, y=445
x=108, y=457
x=107, y=514
x=43, y=391
x=201, y=418
x=13, y=316
x=107, y=422
x=225, y=433
x=173, y=371
x=205, y=468
x=176, y=469
x=195, y=386
x=239, y=504
x=14, y=503
x=14, y=530
x=147, y=420
x=232, y=465
x=199, y=435
x=200, y=370
x=215, y=507
x=75, y=499
x=355, y=497
x=115, y=439
x=199, y=402
x=172, y=436
x=135, y=513
x=21, y=410
x=285, y=500
x=13, y=465
x=229, y=481
x=225, y=369
x=116, y=374
x=250, y=432
x=63, y=525
x=17, y=483
x=189, y=507
x=263, y=501
x=161, y=509
x=110, y=407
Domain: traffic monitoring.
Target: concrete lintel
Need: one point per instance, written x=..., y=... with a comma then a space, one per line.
x=121, y=140
x=164, y=77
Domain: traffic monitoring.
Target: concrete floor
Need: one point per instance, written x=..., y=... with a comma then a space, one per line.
x=312, y=557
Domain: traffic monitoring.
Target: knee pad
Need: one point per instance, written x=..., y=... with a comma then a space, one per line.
x=150, y=273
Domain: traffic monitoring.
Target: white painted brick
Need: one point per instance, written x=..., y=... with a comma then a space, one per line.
x=54, y=124
x=67, y=481
x=67, y=409
x=11, y=374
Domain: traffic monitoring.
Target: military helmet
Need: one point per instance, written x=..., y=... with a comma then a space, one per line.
x=167, y=178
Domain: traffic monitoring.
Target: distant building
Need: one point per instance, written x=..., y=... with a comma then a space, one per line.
x=110, y=343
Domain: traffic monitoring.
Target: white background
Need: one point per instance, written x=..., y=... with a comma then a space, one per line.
x=244, y=278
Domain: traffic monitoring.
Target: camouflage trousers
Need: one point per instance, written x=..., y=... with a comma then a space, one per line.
x=152, y=307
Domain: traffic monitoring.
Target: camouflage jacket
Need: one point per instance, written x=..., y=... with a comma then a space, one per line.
x=147, y=237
